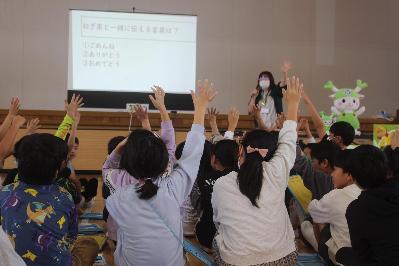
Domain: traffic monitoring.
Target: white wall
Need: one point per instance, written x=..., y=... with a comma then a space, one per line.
x=341, y=40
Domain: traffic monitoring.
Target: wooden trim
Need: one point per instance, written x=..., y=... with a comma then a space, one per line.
x=182, y=122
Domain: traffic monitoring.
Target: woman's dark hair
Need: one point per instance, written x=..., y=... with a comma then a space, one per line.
x=393, y=160
x=368, y=166
x=112, y=143
x=226, y=152
x=343, y=160
x=68, y=136
x=272, y=84
x=39, y=157
x=250, y=174
x=145, y=157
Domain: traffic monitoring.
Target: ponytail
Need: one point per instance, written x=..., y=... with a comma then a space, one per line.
x=258, y=146
x=148, y=190
x=250, y=177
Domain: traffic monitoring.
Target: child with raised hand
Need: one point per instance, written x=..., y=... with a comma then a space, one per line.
x=113, y=174
x=148, y=213
x=71, y=109
x=232, y=118
x=248, y=207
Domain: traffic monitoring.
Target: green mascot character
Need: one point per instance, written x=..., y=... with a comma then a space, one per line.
x=347, y=103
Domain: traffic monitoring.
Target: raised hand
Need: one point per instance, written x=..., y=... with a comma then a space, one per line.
x=73, y=106
x=32, y=126
x=212, y=114
x=158, y=100
x=18, y=121
x=140, y=112
x=201, y=99
x=286, y=66
x=14, y=106
x=233, y=118
x=292, y=97
x=294, y=91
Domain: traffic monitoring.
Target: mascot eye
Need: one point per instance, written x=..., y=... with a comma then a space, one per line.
x=343, y=100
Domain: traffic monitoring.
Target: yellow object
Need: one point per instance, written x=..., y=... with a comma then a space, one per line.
x=31, y=191
x=299, y=191
x=61, y=222
x=29, y=255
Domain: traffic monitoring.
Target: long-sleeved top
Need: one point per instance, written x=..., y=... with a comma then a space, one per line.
x=64, y=127
x=115, y=178
x=148, y=229
x=318, y=182
x=373, y=220
x=331, y=209
x=41, y=221
x=248, y=235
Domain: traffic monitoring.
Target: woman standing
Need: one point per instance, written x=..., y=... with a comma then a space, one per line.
x=267, y=96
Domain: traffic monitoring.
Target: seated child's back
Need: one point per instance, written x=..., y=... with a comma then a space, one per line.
x=38, y=216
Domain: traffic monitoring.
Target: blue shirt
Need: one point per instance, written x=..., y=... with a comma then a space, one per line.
x=41, y=222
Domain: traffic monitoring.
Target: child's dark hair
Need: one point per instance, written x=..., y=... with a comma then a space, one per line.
x=68, y=136
x=205, y=168
x=145, y=157
x=393, y=161
x=250, y=174
x=39, y=157
x=343, y=160
x=325, y=150
x=226, y=152
x=112, y=143
x=343, y=130
x=368, y=166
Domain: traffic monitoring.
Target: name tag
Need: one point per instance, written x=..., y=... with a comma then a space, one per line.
x=264, y=110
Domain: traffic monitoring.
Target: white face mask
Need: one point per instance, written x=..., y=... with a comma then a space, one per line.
x=264, y=83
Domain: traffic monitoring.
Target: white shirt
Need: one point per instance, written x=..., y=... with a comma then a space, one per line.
x=249, y=235
x=7, y=253
x=331, y=208
x=268, y=111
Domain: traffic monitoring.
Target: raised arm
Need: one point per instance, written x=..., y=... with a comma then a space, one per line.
x=232, y=119
x=71, y=109
x=284, y=157
x=74, y=131
x=183, y=176
x=167, y=130
x=285, y=67
x=12, y=112
x=142, y=115
x=212, y=114
x=314, y=114
x=7, y=143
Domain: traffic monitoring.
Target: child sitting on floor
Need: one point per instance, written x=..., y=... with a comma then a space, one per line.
x=329, y=211
x=148, y=213
x=253, y=227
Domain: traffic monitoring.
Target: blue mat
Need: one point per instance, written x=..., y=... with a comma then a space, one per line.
x=198, y=253
x=306, y=259
x=90, y=229
x=92, y=216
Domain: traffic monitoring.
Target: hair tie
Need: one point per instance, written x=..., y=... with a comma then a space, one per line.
x=262, y=152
